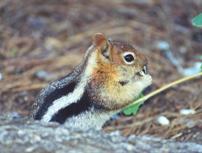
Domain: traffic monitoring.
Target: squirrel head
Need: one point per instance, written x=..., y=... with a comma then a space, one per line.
x=120, y=75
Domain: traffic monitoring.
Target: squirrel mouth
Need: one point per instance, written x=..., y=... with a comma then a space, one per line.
x=143, y=72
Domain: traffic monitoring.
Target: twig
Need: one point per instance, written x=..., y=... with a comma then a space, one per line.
x=30, y=87
x=165, y=88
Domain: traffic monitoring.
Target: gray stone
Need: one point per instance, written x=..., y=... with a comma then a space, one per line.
x=23, y=135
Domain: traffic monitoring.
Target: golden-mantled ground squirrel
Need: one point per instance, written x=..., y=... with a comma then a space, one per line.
x=111, y=76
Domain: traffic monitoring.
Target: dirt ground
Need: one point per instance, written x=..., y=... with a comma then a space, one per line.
x=41, y=41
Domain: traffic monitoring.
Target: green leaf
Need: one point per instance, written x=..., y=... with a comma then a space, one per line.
x=198, y=57
x=132, y=110
x=201, y=67
x=197, y=21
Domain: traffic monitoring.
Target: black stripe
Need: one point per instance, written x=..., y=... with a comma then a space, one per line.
x=52, y=96
x=73, y=109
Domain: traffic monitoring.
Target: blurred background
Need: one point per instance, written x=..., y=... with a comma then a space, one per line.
x=42, y=40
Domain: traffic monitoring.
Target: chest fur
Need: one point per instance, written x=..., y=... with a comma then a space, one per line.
x=89, y=119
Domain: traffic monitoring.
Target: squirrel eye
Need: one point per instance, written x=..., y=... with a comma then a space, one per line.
x=129, y=57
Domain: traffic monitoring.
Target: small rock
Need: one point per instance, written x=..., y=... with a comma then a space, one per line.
x=36, y=138
x=30, y=149
x=44, y=75
x=128, y=147
x=15, y=115
x=115, y=133
x=162, y=120
x=163, y=45
x=52, y=43
x=1, y=76
x=192, y=70
x=187, y=111
x=3, y=135
x=190, y=124
x=21, y=133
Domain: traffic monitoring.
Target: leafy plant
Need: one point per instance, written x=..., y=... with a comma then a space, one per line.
x=197, y=21
x=201, y=67
x=132, y=110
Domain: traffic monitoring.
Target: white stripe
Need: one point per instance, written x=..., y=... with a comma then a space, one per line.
x=77, y=92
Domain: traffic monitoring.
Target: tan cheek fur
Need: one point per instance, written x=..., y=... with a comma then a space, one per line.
x=119, y=96
x=113, y=94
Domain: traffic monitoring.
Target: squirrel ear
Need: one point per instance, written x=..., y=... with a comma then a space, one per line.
x=100, y=42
